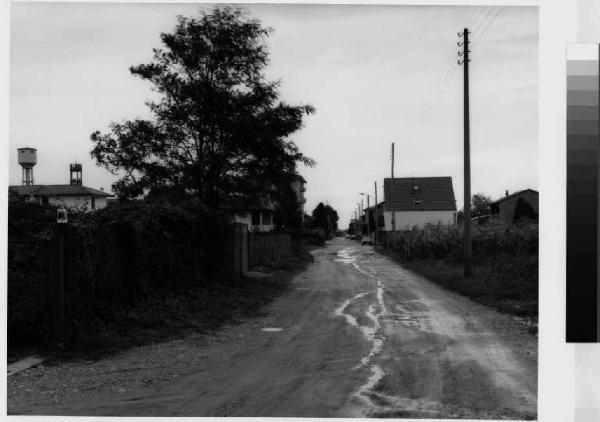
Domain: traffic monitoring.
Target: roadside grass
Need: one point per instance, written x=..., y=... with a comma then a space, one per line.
x=159, y=319
x=504, y=264
x=505, y=282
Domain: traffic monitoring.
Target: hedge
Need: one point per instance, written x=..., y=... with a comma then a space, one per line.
x=114, y=258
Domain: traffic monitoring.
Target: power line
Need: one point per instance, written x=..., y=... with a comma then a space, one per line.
x=477, y=19
x=489, y=23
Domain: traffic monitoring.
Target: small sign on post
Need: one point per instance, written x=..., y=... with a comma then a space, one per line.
x=61, y=216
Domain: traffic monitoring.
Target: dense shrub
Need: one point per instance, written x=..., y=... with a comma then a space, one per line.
x=114, y=258
x=29, y=220
x=29, y=249
x=315, y=237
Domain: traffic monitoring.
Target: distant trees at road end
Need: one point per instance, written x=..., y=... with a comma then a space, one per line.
x=326, y=218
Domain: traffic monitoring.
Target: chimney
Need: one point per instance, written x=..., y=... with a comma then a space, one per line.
x=506, y=192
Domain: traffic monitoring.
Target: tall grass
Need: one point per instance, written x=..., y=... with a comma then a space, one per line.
x=504, y=266
x=442, y=241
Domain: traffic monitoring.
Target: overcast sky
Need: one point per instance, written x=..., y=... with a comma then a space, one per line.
x=375, y=74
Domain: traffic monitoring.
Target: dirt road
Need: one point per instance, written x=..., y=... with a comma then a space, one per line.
x=359, y=336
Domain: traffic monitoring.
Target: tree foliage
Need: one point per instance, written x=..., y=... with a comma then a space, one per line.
x=480, y=204
x=220, y=130
x=325, y=217
x=288, y=210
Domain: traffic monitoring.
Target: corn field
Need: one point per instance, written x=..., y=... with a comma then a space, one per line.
x=491, y=238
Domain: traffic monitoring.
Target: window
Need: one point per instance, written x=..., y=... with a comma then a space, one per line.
x=267, y=217
x=256, y=218
x=418, y=202
x=93, y=203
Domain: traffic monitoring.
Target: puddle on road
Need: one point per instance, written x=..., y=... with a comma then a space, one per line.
x=271, y=329
x=346, y=256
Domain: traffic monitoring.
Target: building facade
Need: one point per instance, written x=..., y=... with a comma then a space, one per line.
x=417, y=201
x=507, y=207
x=73, y=196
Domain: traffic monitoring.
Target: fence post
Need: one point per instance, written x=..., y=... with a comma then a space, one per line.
x=58, y=316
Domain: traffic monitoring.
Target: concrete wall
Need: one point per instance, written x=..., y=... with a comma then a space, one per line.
x=408, y=219
x=249, y=249
x=264, y=248
x=239, y=248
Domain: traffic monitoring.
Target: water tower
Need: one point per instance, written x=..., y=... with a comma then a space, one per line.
x=27, y=160
x=75, y=170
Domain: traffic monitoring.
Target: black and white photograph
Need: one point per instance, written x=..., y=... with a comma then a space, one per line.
x=273, y=210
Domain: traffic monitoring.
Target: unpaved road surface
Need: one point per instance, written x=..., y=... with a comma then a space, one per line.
x=359, y=337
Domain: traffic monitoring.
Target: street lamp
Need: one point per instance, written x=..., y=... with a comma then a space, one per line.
x=367, y=215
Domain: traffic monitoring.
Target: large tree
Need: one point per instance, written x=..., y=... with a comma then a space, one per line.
x=325, y=217
x=220, y=130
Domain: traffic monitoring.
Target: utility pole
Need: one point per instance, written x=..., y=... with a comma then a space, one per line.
x=392, y=194
x=359, y=221
x=376, y=214
x=367, y=214
x=368, y=217
x=467, y=151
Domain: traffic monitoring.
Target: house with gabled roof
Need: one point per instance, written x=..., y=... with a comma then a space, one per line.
x=417, y=201
x=507, y=207
x=74, y=195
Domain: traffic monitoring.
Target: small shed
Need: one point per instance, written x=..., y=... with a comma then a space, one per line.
x=524, y=203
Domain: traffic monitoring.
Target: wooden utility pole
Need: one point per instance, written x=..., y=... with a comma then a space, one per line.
x=392, y=193
x=359, y=219
x=368, y=217
x=362, y=213
x=376, y=214
x=467, y=151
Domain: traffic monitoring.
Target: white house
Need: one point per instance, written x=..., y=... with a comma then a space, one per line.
x=67, y=196
x=260, y=217
x=257, y=220
x=73, y=195
x=416, y=201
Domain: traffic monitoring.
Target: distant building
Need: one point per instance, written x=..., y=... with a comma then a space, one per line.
x=299, y=187
x=416, y=201
x=506, y=208
x=258, y=218
x=73, y=195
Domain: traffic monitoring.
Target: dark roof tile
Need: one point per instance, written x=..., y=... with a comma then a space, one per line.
x=419, y=194
x=57, y=190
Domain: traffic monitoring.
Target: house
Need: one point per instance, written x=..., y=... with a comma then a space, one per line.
x=522, y=203
x=259, y=218
x=417, y=201
x=299, y=187
x=73, y=195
